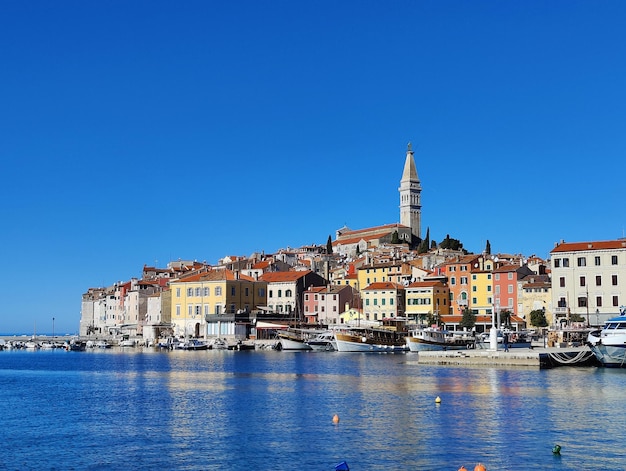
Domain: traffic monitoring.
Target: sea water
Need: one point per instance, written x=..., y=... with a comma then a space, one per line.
x=265, y=410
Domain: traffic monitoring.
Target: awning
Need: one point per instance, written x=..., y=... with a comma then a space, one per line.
x=269, y=325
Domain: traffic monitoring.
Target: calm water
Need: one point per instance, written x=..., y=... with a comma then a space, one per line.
x=222, y=410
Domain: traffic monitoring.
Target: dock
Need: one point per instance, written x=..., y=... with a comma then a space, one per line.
x=521, y=357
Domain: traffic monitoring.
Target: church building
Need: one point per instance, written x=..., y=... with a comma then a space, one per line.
x=349, y=241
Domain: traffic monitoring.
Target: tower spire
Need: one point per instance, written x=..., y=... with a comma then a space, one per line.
x=410, y=192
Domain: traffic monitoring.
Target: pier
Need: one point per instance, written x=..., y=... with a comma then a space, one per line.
x=522, y=357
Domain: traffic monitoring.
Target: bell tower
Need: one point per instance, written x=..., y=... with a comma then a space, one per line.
x=410, y=191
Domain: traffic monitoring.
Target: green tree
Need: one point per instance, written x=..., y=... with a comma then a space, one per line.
x=329, y=246
x=425, y=243
x=468, y=321
x=538, y=318
x=488, y=248
x=452, y=244
x=395, y=239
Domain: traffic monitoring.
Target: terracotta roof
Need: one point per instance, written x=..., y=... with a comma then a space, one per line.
x=597, y=245
x=284, y=276
x=384, y=285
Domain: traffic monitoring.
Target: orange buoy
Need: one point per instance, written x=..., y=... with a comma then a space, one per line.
x=335, y=419
x=462, y=468
x=480, y=467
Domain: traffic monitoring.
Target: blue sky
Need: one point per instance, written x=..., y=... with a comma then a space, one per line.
x=138, y=132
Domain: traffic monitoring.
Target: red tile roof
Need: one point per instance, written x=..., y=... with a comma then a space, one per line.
x=597, y=245
x=384, y=285
x=284, y=276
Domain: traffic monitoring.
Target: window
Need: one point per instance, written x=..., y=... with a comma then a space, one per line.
x=497, y=276
x=599, y=301
x=598, y=280
x=474, y=301
x=597, y=261
x=582, y=262
x=474, y=289
x=198, y=310
x=452, y=281
x=464, y=280
x=262, y=292
x=565, y=262
x=510, y=276
x=562, y=282
x=280, y=293
x=474, y=277
x=178, y=309
x=391, y=301
x=178, y=292
x=375, y=302
x=614, y=280
x=557, y=262
x=582, y=281
x=582, y=302
x=232, y=291
x=489, y=288
x=218, y=291
x=613, y=259
x=383, y=301
x=306, y=297
x=367, y=302
x=189, y=291
x=206, y=291
x=197, y=291
x=510, y=289
x=615, y=301
x=288, y=294
x=247, y=293
x=189, y=309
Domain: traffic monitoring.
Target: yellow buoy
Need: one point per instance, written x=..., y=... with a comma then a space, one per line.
x=438, y=400
x=480, y=467
x=335, y=419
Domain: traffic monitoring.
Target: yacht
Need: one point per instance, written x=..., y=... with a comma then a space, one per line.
x=609, y=344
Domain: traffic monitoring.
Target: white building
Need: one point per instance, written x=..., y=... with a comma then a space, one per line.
x=589, y=279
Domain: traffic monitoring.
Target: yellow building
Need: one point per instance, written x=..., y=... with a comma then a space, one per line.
x=198, y=298
x=481, y=290
x=424, y=298
x=387, y=272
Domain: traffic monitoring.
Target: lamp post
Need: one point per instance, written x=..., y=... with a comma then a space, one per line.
x=53, y=329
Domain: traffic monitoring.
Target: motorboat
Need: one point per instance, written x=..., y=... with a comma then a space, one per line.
x=323, y=341
x=432, y=338
x=609, y=344
x=514, y=339
x=194, y=344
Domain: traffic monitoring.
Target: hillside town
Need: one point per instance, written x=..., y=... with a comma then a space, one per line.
x=364, y=277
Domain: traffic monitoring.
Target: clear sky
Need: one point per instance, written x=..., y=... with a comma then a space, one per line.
x=139, y=132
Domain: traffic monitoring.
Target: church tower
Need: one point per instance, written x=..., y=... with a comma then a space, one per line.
x=410, y=190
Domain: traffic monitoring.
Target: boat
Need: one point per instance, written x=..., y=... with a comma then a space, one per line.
x=609, y=344
x=431, y=338
x=292, y=339
x=387, y=337
x=218, y=344
x=323, y=341
x=194, y=344
x=515, y=339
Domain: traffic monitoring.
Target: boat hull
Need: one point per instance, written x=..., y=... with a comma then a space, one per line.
x=611, y=356
x=418, y=345
x=358, y=343
x=292, y=344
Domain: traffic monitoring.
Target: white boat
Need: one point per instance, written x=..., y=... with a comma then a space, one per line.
x=609, y=344
x=292, y=339
x=194, y=344
x=430, y=338
x=323, y=341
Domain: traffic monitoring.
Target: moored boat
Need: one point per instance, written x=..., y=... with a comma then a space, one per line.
x=292, y=339
x=388, y=337
x=609, y=344
x=323, y=341
x=430, y=338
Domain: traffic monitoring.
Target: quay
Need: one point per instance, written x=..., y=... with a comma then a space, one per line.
x=523, y=357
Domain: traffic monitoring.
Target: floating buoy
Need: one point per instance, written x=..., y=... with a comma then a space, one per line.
x=335, y=419
x=462, y=468
x=556, y=449
x=480, y=467
x=437, y=399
